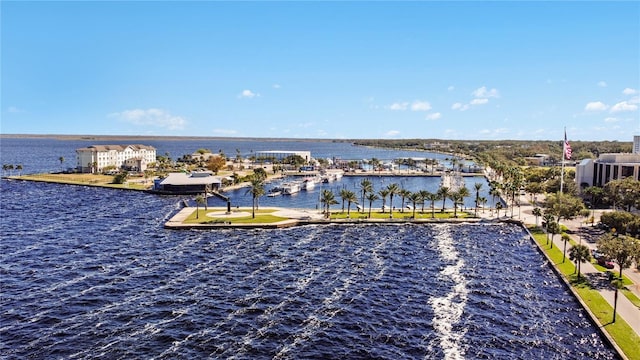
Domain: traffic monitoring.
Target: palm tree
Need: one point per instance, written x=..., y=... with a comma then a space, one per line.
x=424, y=195
x=19, y=168
x=327, y=198
x=433, y=197
x=404, y=193
x=443, y=193
x=537, y=212
x=464, y=193
x=256, y=189
x=393, y=189
x=498, y=208
x=565, y=239
x=457, y=197
x=547, y=219
x=199, y=201
x=383, y=195
x=61, y=159
x=554, y=228
x=415, y=198
x=371, y=197
x=494, y=191
x=351, y=197
x=477, y=186
x=580, y=253
x=344, y=193
x=366, y=186
x=483, y=201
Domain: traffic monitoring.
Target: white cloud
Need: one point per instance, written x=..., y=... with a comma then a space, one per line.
x=479, y=101
x=451, y=88
x=434, y=116
x=624, y=106
x=483, y=92
x=634, y=100
x=248, y=94
x=14, y=110
x=392, y=133
x=415, y=106
x=610, y=120
x=602, y=84
x=420, y=106
x=459, y=106
x=629, y=91
x=151, y=117
x=224, y=131
x=399, y=106
x=596, y=106
x=276, y=86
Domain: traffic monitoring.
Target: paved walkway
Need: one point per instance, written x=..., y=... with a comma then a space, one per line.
x=625, y=308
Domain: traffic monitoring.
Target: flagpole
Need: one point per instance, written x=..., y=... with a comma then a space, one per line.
x=564, y=150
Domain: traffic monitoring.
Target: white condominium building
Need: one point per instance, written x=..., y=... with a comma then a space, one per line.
x=128, y=157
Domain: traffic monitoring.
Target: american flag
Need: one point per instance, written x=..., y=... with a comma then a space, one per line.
x=567, y=147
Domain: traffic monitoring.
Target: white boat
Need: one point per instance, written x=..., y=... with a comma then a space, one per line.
x=274, y=192
x=332, y=175
x=290, y=188
x=308, y=185
x=310, y=182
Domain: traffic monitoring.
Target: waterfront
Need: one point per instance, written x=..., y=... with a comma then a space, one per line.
x=90, y=272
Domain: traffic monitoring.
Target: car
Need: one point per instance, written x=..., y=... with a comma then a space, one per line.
x=595, y=254
x=603, y=261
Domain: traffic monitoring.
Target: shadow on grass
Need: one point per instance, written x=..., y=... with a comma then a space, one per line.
x=580, y=282
x=598, y=281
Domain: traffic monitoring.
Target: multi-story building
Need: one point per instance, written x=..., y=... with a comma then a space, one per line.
x=607, y=167
x=96, y=158
x=636, y=144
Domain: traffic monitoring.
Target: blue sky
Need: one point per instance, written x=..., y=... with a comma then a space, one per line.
x=445, y=70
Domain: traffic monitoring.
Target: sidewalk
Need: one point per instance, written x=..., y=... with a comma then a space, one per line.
x=625, y=309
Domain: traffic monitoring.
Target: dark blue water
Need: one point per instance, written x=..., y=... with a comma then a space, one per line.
x=91, y=273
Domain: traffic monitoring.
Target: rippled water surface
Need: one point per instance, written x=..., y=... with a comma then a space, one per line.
x=91, y=273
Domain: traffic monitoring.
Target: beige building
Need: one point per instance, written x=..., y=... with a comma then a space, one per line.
x=607, y=167
x=96, y=158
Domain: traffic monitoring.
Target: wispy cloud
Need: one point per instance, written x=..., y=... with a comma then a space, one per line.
x=276, y=86
x=392, y=133
x=459, y=106
x=483, y=92
x=151, y=117
x=451, y=88
x=420, y=106
x=434, y=116
x=624, y=106
x=629, y=91
x=596, y=106
x=417, y=105
x=399, y=106
x=479, y=101
x=602, y=83
x=610, y=120
x=248, y=94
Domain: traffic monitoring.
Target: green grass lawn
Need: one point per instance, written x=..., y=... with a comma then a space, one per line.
x=262, y=217
x=620, y=331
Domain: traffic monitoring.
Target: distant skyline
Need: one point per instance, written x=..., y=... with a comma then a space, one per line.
x=422, y=69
